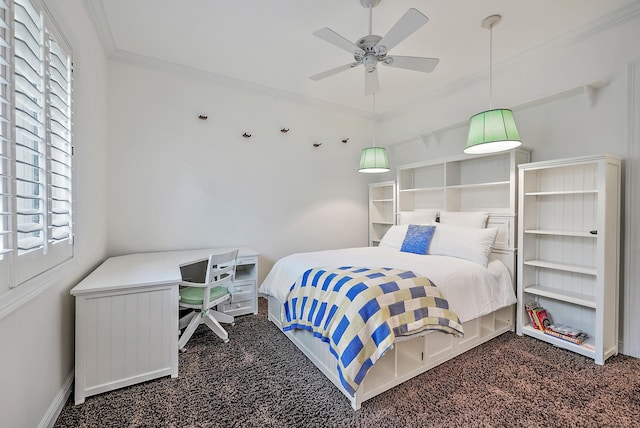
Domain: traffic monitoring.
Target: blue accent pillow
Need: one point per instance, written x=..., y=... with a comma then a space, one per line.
x=417, y=239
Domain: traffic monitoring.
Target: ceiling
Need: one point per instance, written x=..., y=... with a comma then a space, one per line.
x=269, y=43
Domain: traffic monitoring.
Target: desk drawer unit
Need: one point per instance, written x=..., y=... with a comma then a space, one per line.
x=239, y=308
x=244, y=290
x=243, y=299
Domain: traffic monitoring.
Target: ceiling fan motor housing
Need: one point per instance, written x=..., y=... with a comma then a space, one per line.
x=372, y=51
x=368, y=43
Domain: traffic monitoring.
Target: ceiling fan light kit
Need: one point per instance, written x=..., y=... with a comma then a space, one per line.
x=493, y=130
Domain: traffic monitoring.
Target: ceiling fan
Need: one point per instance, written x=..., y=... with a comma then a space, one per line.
x=372, y=49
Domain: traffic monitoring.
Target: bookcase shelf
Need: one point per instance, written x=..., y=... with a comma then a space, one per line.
x=561, y=266
x=423, y=189
x=562, y=192
x=479, y=185
x=568, y=245
x=586, y=348
x=382, y=210
x=586, y=300
x=561, y=233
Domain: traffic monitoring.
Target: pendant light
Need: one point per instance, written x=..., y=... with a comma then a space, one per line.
x=493, y=130
x=374, y=159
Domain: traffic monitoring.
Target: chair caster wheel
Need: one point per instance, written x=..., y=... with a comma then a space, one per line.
x=232, y=324
x=183, y=350
x=226, y=341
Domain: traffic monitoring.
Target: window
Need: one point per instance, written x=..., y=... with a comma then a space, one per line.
x=36, y=227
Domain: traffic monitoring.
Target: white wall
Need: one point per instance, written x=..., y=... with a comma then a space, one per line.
x=176, y=181
x=37, y=354
x=556, y=128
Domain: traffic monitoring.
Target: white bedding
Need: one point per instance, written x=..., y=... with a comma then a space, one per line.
x=471, y=289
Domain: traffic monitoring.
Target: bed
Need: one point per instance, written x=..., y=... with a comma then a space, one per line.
x=475, y=278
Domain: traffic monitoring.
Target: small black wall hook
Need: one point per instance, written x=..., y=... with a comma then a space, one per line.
x=284, y=130
x=245, y=135
x=345, y=140
x=203, y=117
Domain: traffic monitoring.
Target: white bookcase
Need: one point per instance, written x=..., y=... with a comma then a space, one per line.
x=569, y=228
x=467, y=183
x=382, y=210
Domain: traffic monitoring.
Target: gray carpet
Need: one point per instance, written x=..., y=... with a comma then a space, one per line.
x=260, y=379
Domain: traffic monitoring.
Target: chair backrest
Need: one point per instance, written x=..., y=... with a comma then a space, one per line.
x=217, y=269
x=222, y=268
x=213, y=270
x=195, y=271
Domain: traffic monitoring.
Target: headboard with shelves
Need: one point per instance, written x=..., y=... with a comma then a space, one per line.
x=486, y=183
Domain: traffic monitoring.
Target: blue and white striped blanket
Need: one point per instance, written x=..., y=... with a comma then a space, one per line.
x=359, y=311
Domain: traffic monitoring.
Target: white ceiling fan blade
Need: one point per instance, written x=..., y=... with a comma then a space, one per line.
x=408, y=24
x=333, y=71
x=371, y=85
x=416, y=63
x=328, y=35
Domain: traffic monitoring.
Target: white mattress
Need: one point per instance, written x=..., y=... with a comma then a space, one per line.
x=471, y=289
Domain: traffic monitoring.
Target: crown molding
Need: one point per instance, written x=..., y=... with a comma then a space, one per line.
x=131, y=58
x=96, y=13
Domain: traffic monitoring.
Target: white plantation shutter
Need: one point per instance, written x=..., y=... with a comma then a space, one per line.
x=30, y=151
x=60, y=151
x=36, y=119
x=6, y=152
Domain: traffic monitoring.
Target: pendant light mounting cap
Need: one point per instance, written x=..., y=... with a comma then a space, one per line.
x=369, y=3
x=491, y=21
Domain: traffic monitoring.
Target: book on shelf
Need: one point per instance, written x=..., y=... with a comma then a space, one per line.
x=540, y=319
x=567, y=333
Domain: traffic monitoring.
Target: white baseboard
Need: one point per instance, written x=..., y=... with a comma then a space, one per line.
x=58, y=402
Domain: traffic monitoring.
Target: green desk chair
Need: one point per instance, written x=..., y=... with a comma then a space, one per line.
x=203, y=287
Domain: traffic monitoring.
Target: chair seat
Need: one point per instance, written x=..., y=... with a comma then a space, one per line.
x=194, y=295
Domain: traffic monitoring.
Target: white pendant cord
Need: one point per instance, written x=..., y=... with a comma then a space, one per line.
x=371, y=20
x=491, y=67
x=374, y=116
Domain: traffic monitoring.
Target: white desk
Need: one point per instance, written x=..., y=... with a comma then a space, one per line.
x=127, y=319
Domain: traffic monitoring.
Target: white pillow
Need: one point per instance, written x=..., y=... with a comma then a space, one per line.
x=417, y=217
x=465, y=219
x=463, y=243
x=394, y=237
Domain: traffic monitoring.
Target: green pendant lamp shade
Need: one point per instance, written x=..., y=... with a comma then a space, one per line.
x=492, y=131
x=373, y=160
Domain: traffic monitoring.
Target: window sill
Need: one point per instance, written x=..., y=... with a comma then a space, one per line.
x=15, y=298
